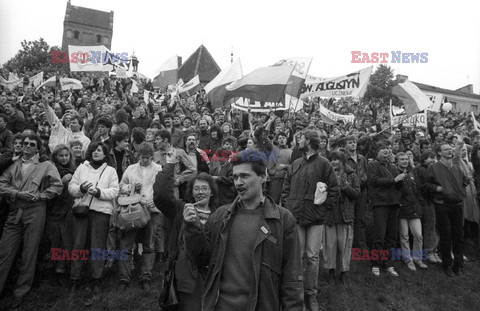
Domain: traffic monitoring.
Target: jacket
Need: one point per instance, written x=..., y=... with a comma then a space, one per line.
x=186, y=270
x=60, y=135
x=359, y=166
x=277, y=260
x=299, y=187
x=126, y=161
x=42, y=181
x=452, y=180
x=108, y=186
x=133, y=174
x=412, y=200
x=382, y=188
x=344, y=211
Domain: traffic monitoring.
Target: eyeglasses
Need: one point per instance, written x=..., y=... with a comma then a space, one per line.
x=29, y=144
x=203, y=189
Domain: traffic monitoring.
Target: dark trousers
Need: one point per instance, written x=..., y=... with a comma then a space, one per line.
x=386, y=231
x=450, y=228
x=28, y=229
x=90, y=232
x=359, y=235
x=276, y=185
x=127, y=242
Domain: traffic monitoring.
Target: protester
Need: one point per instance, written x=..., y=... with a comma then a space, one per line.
x=94, y=185
x=384, y=192
x=298, y=196
x=28, y=184
x=409, y=215
x=447, y=184
x=252, y=217
x=203, y=193
x=339, y=219
x=140, y=177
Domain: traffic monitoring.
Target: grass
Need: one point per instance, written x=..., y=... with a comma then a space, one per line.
x=423, y=290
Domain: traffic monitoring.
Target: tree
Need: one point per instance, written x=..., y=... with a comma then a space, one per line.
x=35, y=56
x=379, y=89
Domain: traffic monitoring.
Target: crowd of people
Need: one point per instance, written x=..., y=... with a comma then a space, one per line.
x=240, y=205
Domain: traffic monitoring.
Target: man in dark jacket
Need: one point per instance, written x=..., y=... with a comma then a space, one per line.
x=359, y=164
x=298, y=195
x=447, y=184
x=251, y=246
x=430, y=236
x=384, y=192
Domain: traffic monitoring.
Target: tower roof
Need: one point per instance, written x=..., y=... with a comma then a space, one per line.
x=91, y=17
x=202, y=63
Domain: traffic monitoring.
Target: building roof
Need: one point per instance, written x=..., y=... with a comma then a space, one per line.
x=91, y=17
x=431, y=88
x=202, y=63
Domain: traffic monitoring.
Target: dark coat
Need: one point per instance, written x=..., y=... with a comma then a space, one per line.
x=382, y=188
x=299, y=187
x=277, y=282
x=411, y=200
x=344, y=211
x=186, y=270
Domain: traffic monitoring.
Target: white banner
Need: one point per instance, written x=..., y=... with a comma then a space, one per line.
x=331, y=117
x=11, y=85
x=93, y=58
x=436, y=99
x=416, y=120
x=354, y=84
x=36, y=80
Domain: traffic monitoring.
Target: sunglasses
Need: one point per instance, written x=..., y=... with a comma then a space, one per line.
x=29, y=144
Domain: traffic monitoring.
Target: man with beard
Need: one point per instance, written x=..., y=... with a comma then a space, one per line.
x=384, y=191
x=197, y=156
x=298, y=196
x=359, y=164
x=204, y=139
x=175, y=132
x=184, y=167
x=15, y=122
x=251, y=247
x=143, y=121
x=446, y=182
x=279, y=168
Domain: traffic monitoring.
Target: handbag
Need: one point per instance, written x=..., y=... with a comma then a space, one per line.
x=81, y=209
x=132, y=213
x=168, y=299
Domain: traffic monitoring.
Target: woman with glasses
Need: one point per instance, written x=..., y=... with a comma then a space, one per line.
x=189, y=278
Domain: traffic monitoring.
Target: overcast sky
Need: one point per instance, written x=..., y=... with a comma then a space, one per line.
x=262, y=32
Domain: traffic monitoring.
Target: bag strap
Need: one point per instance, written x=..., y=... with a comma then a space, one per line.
x=91, y=199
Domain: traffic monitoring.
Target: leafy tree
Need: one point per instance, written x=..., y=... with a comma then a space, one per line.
x=379, y=89
x=34, y=57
